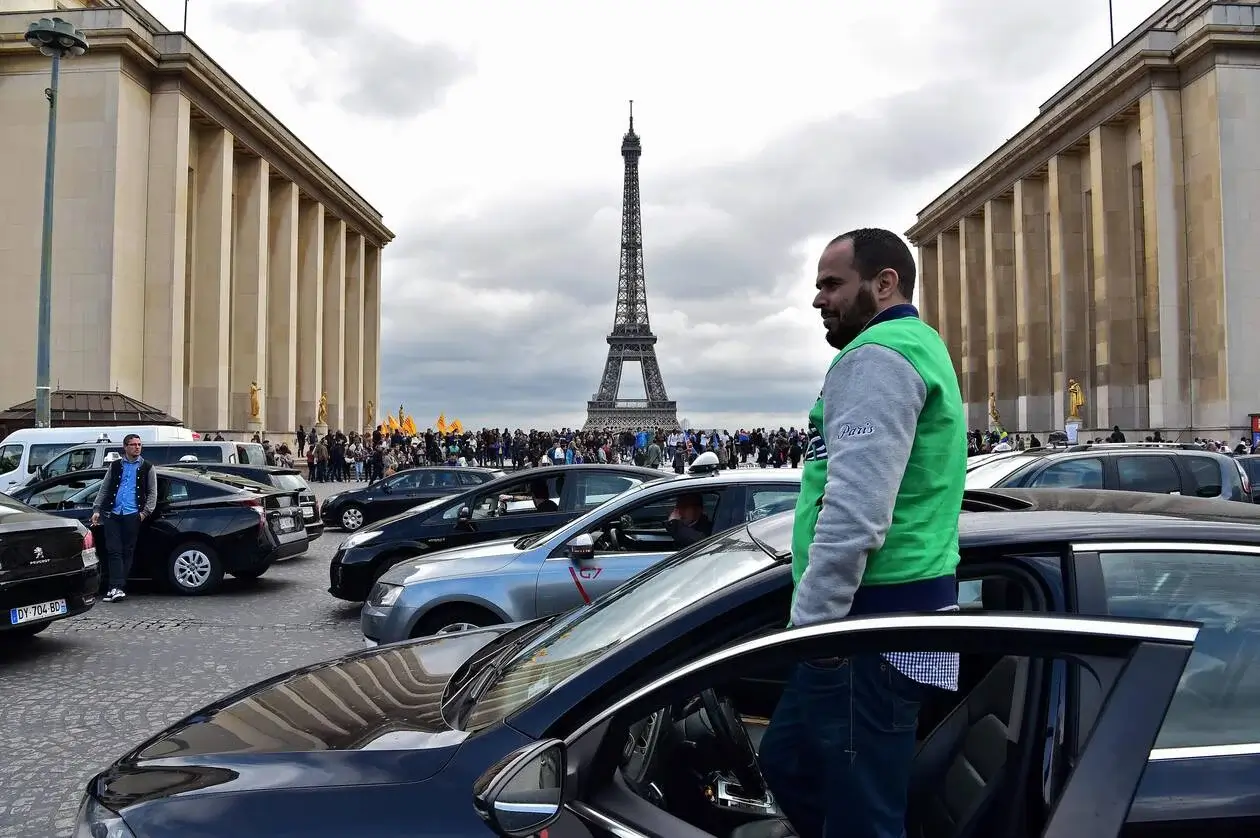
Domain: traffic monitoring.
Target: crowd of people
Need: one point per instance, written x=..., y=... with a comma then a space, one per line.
x=339, y=456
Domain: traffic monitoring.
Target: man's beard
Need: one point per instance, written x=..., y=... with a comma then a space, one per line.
x=849, y=325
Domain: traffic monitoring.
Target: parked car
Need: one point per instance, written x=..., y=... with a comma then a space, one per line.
x=508, y=580
x=203, y=527
x=499, y=509
x=1159, y=468
x=1251, y=465
x=49, y=570
x=399, y=492
x=1081, y=710
x=278, y=477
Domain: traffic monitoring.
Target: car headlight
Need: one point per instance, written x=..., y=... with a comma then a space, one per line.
x=95, y=821
x=360, y=538
x=384, y=595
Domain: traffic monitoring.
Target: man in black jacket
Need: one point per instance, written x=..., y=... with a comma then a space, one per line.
x=127, y=498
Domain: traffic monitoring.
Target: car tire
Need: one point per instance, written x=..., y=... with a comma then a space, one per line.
x=352, y=517
x=26, y=632
x=448, y=619
x=194, y=569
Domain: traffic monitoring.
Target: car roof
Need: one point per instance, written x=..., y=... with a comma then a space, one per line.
x=170, y=471
x=743, y=475
x=548, y=471
x=1014, y=517
x=483, y=469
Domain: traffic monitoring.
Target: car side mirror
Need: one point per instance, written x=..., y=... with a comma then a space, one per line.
x=581, y=547
x=385, y=488
x=523, y=793
x=465, y=513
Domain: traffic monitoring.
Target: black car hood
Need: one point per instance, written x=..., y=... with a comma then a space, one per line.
x=369, y=717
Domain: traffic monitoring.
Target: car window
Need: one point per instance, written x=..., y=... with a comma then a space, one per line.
x=165, y=454
x=75, y=459
x=469, y=478
x=41, y=454
x=87, y=495
x=171, y=490
x=763, y=501
x=405, y=482
x=586, y=634
x=1219, y=692
x=1205, y=475
x=645, y=527
x=10, y=457
x=289, y=482
x=990, y=473
x=515, y=498
x=1081, y=473
x=1148, y=473
x=250, y=454
x=595, y=489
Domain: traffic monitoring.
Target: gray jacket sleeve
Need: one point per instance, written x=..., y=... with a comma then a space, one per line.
x=872, y=399
x=150, y=498
x=103, y=491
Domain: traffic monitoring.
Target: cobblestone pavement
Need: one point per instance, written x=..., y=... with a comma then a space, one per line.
x=90, y=688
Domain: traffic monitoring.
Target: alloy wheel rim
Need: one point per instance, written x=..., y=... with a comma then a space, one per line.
x=352, y=519
x=192, y=568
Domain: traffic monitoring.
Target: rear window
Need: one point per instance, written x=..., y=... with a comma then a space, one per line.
x=251, y=454
x=166, y=454
x=41, y=454
x=289, y=482
x=1205, y=472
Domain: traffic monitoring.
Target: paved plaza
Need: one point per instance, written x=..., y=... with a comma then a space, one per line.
x=92, y=687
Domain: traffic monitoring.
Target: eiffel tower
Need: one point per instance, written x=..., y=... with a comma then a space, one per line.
x=631, y=338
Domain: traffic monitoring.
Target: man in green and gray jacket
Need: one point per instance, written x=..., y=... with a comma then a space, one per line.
x=876, y=531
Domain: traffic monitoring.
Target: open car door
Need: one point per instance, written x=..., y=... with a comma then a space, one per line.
x=1137, y=665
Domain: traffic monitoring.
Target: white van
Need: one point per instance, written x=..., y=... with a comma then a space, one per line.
x=23, y=452
x=81, y=457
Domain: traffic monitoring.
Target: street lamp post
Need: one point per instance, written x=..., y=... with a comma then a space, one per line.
x=57, y=39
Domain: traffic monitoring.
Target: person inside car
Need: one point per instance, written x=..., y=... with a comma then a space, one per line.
x=538, y=493
x=687, y=523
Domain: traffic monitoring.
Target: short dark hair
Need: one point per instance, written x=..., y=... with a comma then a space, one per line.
x=130, y=437
x=875, y=250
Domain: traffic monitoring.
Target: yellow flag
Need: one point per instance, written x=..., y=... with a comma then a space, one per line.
x=441, y=424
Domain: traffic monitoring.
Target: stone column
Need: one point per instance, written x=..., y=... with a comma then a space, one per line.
x=335, y=320
x=975, y=322
x=282, y=312
x=249, y=292
x=310, y=319
x=928, y=271
x=1032, y=309
x=1164, y=242
x=1001, y=365
x=1120, y=347
x=372, y=330
x=166, y=252
x=949, y=295
x=1068, y=283
x=353, y=306
x=210, y=295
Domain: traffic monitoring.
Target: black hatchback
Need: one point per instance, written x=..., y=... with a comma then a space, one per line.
x=524, y=502
x=278, y=477
x=399, y=492
x=1106, y=688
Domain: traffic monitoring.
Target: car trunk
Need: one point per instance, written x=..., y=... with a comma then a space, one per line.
x=284, y=514
x=34, y=546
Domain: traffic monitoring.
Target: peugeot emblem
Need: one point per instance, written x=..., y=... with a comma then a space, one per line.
x=39, y=554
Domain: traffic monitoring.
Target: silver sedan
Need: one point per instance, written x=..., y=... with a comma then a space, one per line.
x=539, y=575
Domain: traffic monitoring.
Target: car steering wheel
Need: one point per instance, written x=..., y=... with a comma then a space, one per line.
x=733, y=743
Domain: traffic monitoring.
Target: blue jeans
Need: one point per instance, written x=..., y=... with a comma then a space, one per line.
x=838, y=752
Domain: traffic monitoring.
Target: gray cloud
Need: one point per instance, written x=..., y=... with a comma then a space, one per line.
x=724, y=252
x=378, y=72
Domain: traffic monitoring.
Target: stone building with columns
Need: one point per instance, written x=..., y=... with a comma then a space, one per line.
x=1113, y=241
x=200, y=248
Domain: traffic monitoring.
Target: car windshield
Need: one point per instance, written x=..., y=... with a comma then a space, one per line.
x=86, y=494
x=290, y=482
x=586, y=634
x=989, y=474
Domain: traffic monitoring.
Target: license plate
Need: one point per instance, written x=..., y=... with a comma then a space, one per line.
x=308, y=510
x=38, y=611
x=288, y=524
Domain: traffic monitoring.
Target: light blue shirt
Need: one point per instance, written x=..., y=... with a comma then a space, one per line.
x=125, y=498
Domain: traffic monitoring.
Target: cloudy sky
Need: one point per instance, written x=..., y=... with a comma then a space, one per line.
x=488, y=134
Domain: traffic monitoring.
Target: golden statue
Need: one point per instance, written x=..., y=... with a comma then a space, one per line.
x=254, y=407
x=402, y=417
x=993, y=409
x=1076, y=399
x=321, y=416
x=369, y=415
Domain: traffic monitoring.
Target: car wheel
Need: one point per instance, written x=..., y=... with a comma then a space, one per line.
x=352, y=517
x=194, y=569
x=449, y=619
x=24, y=632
